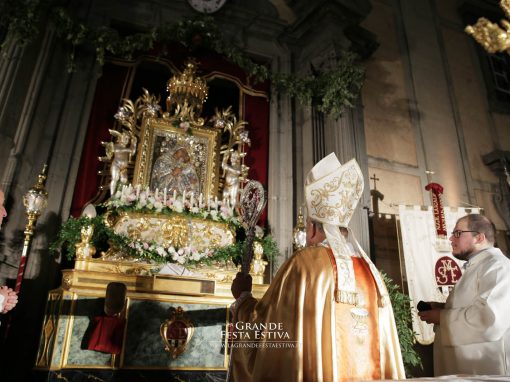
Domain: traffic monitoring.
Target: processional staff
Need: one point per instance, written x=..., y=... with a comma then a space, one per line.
x=251, y=204
x=35, y=201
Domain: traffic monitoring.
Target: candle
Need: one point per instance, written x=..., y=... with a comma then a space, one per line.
x=200, y=200
x=216, y=202
x=209, y=203
x=175, y=194
x=183, y=197
x=191, y=199
x=137, y=191
x=164, y=195
x=157, y=193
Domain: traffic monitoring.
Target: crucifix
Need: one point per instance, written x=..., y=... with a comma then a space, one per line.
x=376, y=195
x=375, y=179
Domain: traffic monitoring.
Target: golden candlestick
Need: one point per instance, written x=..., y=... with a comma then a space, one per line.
x=299, y=233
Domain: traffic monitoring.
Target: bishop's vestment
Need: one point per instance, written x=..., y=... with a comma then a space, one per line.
x=327, y=340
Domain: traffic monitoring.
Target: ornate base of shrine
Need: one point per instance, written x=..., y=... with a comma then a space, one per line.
x=87, y=375
x=171, y=324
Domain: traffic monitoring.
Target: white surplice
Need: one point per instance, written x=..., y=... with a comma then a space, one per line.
x=474, y=332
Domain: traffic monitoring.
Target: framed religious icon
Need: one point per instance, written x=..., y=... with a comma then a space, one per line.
x=179, y=157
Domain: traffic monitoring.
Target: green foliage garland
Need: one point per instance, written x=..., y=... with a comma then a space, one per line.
x=103, y=237
x=334, y=89
x=401, y=308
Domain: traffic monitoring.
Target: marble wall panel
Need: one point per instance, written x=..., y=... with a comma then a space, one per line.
x=144, y=346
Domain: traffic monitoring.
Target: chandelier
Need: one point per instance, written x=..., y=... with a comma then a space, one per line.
x=493, y=37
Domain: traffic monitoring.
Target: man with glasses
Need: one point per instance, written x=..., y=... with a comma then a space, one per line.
x=473, y=327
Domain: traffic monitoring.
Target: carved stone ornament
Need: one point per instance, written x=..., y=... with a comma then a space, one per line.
x=176, y=332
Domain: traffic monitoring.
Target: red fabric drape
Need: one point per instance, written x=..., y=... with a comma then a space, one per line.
x=107, y=334
x=106, y=101
x=257, y=115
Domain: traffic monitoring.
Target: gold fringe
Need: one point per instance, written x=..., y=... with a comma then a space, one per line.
x=346, y=297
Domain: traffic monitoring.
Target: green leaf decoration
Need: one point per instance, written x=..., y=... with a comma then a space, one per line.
x=401, y=304
x=333, y=90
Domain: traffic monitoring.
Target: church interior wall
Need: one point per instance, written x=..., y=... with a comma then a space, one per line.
x=400, y=187
x=501, y=123
x=471, y=101
x=434, y=117
x=389, y=132
x=485, y=198
x=448, y=11
x=425, y=107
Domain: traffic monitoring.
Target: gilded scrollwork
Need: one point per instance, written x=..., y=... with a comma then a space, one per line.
x=49, y=329
x=67, y=282
x=175, y=232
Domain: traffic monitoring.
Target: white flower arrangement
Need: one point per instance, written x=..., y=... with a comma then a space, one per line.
x=138, y=200
x=134, y=197
x=158, y=253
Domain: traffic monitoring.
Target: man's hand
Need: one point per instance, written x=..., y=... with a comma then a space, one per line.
x=431, y=316
x=10, y=298
x=242, y=283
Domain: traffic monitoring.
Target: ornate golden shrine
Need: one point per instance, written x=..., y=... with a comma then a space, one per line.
x=174, y=181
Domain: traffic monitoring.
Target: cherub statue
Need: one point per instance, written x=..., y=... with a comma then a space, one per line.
x=85, y=249
x=232, y=173
x=120, y=154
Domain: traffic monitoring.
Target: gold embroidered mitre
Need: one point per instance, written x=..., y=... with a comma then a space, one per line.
x=332, y=193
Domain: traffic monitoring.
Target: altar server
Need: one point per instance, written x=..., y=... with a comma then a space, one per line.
x=472, y=329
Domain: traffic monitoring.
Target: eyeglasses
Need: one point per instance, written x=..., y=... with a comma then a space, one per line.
x=459, y=232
